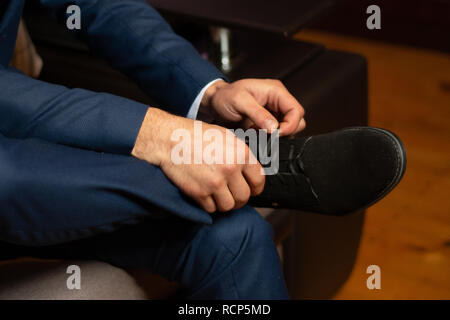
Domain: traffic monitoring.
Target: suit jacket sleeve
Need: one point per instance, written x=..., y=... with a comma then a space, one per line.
x=74, y=117
x=44, y=201
x=136, y=40
x=52, y=193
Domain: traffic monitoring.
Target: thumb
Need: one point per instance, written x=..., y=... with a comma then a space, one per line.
x=260, y=116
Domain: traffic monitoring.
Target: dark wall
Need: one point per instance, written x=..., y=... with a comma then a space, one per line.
x=423, y=23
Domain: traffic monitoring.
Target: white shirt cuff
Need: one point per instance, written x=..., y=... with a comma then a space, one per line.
x=193, y=111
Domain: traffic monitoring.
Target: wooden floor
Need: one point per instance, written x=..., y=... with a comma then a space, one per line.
x=408, y=233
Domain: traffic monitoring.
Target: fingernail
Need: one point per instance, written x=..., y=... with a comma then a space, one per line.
x=270, y=125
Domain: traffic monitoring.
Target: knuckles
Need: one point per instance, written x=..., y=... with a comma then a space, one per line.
x=200, y=194
x=274, y=82
x=277, y=83
x=216, y=182
x=237, y=97
x=229, y=169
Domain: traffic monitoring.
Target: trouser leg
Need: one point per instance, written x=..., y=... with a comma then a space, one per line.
x=52, y=194
x=234, y=258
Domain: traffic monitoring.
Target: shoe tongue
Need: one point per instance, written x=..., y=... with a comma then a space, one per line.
x=291, y=147
x=286, y=146
x=288, y=149
x=290, y=187
x=290, y=154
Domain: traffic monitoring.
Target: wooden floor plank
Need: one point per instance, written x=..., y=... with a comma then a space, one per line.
x=408, y=233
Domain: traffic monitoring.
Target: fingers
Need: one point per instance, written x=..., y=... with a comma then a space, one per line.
x=260, y=116
x=255, y=178
x=279, y=101
x=232, y=196
x=240, y=190
x=301, y=126
x=291, y=110
x=224, y=199
x=259, y=101
x=276, y=98
x=290, y=122
x=208, y=204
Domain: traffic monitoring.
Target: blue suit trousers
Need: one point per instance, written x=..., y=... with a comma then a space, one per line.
x=231, y=257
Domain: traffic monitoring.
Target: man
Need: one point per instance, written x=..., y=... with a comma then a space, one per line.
x=90, y=175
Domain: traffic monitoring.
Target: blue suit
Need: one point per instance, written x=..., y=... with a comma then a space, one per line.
x=66, y=174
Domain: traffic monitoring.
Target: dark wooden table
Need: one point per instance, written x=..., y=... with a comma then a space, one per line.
x=283, y=17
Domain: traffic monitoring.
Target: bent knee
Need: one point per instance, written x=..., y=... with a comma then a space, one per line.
x=239, y=229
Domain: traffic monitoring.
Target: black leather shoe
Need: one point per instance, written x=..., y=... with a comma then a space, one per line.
x=335, y=173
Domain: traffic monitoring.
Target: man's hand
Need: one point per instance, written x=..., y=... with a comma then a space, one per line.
x=214, y=186
x=264, y=104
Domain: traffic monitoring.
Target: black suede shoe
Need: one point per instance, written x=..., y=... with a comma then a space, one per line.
x=335, y=173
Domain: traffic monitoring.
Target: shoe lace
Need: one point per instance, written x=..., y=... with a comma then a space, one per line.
x=296, y=167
